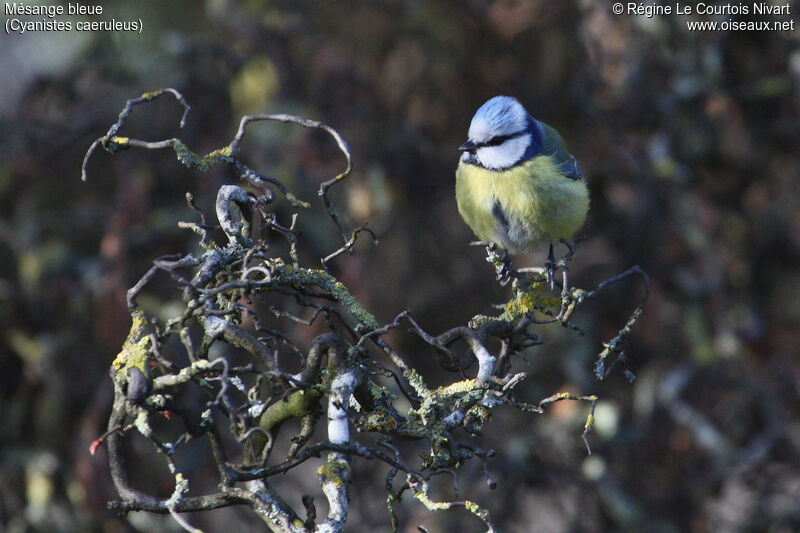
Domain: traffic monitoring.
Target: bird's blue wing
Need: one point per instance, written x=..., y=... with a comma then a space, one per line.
x=553, y=145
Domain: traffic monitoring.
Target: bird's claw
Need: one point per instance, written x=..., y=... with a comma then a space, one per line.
x=506, y=272
x=550, y=269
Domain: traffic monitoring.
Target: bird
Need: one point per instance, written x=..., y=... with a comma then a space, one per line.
x=517, y=185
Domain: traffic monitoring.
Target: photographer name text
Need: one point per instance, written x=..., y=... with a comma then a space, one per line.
x=771, y=16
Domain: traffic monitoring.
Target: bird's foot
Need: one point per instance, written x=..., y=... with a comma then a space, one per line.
x=502, y=263
x=505, y=270
x=550, y=267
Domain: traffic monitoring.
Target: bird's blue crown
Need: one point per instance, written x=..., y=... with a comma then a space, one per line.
x=503, y=113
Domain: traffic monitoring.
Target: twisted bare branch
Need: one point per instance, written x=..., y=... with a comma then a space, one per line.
x=244, y=300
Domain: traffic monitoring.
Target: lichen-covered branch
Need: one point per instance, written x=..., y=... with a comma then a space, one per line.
x=335, y=474
x=228, y=346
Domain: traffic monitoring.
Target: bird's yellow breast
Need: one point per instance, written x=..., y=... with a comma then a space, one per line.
x=521, y=207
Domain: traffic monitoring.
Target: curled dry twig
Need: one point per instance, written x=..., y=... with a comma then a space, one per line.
x=229, y=154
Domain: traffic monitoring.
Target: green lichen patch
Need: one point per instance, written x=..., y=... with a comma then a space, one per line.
x=192, y=160
x=136, y=348
x=308, y=277
x=115, y=143
x=296, y=405
x=336, y=472
x=527, y=298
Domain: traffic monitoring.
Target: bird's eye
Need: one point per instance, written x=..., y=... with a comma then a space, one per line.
x=497, y=141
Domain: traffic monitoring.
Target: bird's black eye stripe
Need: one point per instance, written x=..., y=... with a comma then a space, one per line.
x=496, y=141
x=500, y=139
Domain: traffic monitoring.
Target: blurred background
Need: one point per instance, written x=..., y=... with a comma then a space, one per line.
x=690, y=144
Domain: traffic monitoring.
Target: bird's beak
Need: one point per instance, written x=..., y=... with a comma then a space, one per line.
x=468, y=146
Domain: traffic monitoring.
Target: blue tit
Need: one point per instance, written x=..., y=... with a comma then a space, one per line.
x=516, y=183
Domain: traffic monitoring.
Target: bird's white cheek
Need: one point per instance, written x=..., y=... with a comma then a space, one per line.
x=505, y=155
